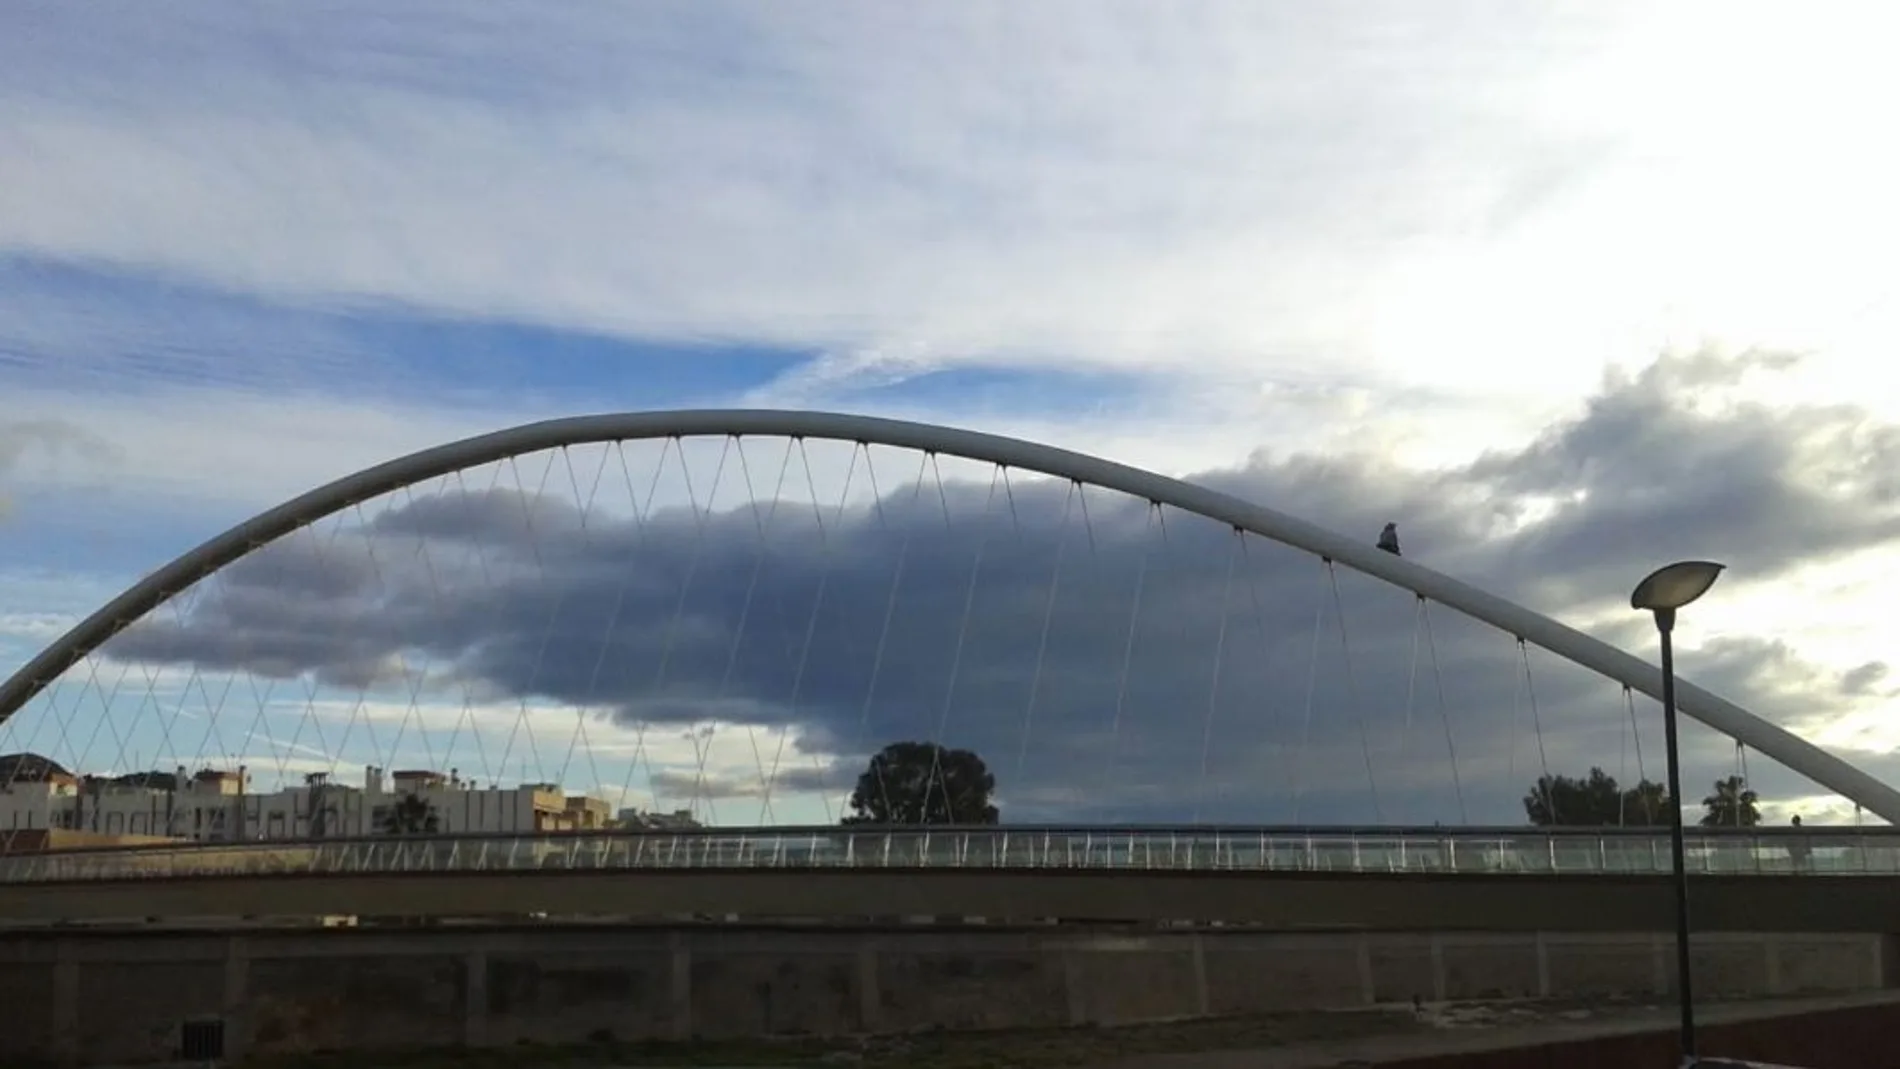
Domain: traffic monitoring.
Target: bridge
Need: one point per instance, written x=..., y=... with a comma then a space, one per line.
x=1244, y=763
x=539, y=625
x=1580, y=853
x=1479, y=879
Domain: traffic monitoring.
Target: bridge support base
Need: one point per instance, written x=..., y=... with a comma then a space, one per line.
x=1543, y=965
x=681, y=959
x=1888, y=967
x=66, y=1004
x=1073, y=988
x=233, y=1006
x=475, y=999
x=870, y=994
x=1198, y=950
x=1362, y=959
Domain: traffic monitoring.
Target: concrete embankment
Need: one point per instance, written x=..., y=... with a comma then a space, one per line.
x=124, y=996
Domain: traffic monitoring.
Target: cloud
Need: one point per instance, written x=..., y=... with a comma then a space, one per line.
x=927, y=613
x=1670, y=441
x=54, y=439
x=1370, y=246
x=1223, y=196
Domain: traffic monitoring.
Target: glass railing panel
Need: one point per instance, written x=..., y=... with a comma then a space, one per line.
x=1728, y=855
x=1882, y=854
x=1832, y=855
x=1576, y=855
x=1330, y=855
x=1451, y=852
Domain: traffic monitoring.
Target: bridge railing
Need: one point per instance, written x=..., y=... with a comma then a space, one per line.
x=1463, y=851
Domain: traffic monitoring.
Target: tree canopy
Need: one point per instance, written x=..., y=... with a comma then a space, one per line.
x=923, y=783
x=411, y=815
x=1731, y=806
x=1596, y=801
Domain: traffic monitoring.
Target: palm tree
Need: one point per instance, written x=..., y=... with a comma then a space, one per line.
x=410, y=816
x=1731, y=806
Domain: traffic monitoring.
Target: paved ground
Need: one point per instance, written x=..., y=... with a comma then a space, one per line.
x=1472, y=1027
x=1294, y=1041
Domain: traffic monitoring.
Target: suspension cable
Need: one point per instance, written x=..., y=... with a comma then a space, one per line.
x=1048, y=619
x=1312, y=689
x=1444, y=709
x=890, y=613
x=1411, y=680
x=1352, y=694
x=1537, y=722
x=1267, y=647
x=1128, y=644
x=1636, y=743
x=811, y=625
x=963, y=633
x=1213, y=686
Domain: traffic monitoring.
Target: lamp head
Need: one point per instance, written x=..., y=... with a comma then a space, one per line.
x=1674, y=585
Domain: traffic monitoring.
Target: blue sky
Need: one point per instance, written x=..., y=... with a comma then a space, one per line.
x=420, y=358
x=245, y=252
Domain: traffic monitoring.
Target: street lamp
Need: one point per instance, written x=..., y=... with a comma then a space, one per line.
x=1662, y=592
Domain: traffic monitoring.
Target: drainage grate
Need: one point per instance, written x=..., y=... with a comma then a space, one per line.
x=201, y=1040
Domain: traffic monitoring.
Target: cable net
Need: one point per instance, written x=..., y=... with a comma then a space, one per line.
x=725, y=630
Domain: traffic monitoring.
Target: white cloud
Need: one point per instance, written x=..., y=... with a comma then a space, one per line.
x=1407, y=232
x=1488, y=202
x=230, y=451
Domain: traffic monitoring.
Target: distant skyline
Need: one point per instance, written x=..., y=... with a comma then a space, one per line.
x=1402, y=264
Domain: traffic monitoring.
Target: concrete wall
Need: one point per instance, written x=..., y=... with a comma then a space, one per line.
x=121, y=996
x=1287, y=901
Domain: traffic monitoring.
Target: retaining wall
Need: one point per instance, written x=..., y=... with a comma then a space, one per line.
x=102, y=997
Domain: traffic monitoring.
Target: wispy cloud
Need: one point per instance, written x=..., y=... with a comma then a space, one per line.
x=667, y=625
x=1379, y=261
x=1270, y=191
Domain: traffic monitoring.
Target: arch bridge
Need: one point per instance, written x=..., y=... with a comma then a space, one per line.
x=169, y=588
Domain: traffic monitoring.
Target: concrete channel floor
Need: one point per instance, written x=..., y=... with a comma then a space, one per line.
x=1474, y=1036
x=1451, y=1029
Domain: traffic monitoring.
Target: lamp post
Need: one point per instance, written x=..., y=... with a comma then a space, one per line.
x=1661, y=593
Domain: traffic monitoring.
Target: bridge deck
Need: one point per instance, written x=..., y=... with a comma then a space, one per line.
x=1446, y=852
x=1284, y=901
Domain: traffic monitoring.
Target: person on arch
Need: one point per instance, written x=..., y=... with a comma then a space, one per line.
x=1389, y=539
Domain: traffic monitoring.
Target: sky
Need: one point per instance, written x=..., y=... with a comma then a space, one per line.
x=1568, y=290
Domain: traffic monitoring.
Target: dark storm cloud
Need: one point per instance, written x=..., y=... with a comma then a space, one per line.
x=1867, y=680
x=1648, y=475
x=927, y=626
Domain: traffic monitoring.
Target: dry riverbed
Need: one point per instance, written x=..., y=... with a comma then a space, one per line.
x=1039, y=1049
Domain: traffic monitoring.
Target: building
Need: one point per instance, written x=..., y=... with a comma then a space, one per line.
x=219, y=806
x=635, y=819
x=42, y=840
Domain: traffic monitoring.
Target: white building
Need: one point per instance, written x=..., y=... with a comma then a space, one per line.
x=216, y=806
x=677, y=820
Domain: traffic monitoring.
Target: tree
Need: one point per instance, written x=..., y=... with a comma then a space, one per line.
x=923, y=783
x=1595, y=801
x=1646, y=805
x=411, y=815
x=1731, y=806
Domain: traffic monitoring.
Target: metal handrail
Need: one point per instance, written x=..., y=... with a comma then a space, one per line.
x=1448, y=851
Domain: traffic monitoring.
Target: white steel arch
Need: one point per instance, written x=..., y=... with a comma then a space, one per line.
x=1566, y=642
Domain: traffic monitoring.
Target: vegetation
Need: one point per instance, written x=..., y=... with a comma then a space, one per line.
x=411, y=815
x=923, y=783
x=1731, y=806
x=1596, y=801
